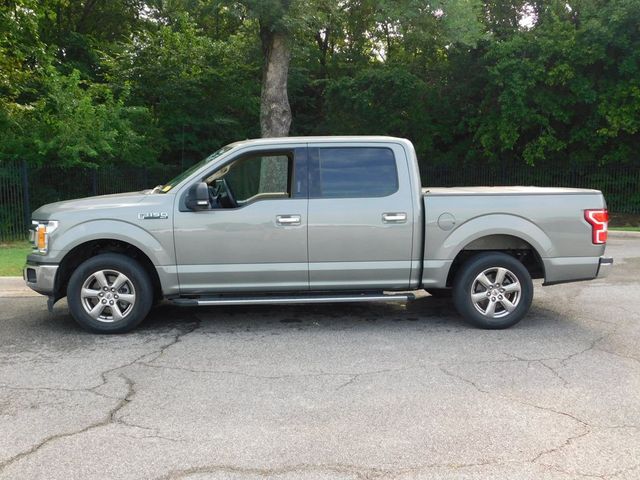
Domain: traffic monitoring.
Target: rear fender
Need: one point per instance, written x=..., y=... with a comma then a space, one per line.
x=495, y=224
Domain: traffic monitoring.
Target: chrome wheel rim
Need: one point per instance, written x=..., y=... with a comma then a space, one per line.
x=108, y=296
x=496, y=292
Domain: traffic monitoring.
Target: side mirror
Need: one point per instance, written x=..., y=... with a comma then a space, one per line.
x=198, y=197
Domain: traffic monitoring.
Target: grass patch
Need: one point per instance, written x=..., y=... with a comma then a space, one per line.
x=624, y=221
x=625, y=229
x=13, y=256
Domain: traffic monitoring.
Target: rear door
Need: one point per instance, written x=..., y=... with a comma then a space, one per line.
x=361, y=217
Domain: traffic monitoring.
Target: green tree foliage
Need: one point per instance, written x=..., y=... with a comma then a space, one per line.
x=202, y=92
x=78, y=122
x=55, y=106
x=567, y=89
x=468, y=81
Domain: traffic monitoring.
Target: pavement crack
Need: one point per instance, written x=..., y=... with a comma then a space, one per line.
x=555, y=468
x=176, y=339
x=565, y=444
x=124, y=401
x=620, y=355
x=141, y=358
x=465, y=380
x=52, y=389
x=512, y=399
x=564, y=381
x=111, y=415
x=586, y=428
x=351, y=381
x=109, y=418
x=353, y=376
x=604, y=476
x=591, y=346
x=359, y=472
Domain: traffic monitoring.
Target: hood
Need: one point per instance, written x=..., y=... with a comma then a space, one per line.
x=101, y=202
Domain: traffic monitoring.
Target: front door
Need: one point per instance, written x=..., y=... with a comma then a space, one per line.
x=253, y=238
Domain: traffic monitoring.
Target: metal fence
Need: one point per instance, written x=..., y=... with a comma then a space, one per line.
x=620, y=183
x=24, y=188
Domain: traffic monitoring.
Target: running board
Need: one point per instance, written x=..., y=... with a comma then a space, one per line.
x=291, y=299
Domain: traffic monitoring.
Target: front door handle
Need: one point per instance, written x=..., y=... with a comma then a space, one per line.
x=288, y=220
x=394, y=217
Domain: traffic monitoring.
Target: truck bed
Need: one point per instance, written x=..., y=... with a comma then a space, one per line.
x=547, y=221
x=515, y=190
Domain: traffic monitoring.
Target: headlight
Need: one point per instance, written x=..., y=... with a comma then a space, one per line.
x=40, y=232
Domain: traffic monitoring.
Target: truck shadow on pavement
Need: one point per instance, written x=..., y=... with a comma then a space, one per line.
x=426, y=313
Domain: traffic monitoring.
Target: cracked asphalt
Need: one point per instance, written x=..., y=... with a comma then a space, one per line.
x=362, y=391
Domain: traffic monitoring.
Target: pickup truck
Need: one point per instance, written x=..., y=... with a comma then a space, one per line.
x=313, y=220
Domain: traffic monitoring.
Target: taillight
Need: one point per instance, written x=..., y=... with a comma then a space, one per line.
x=599, y=221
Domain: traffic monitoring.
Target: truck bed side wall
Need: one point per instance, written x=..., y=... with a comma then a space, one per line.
x=553, y=224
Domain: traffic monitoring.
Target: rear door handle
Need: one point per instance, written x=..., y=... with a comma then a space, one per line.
x=394, y=217
x=288, y=220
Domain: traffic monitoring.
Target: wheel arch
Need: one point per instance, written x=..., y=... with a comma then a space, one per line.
x=512, y=245
x=497, y=232
x=88, y=249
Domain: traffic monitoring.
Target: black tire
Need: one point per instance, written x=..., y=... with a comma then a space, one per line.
x=138, y=287
x=503, y=295
x=440, y=292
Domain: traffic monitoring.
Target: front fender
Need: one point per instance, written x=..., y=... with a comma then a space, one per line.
x=80, y=233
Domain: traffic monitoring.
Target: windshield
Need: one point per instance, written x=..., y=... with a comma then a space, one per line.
x=175, y=181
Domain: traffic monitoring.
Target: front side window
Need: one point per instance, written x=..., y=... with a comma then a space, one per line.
x=254, y=177
x=355, y=172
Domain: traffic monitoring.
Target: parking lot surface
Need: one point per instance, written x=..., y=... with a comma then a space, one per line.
x=329, y=392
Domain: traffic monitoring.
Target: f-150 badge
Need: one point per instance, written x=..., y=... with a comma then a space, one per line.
x=153, y=216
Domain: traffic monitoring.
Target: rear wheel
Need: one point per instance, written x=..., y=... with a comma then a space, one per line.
x=109, y=293
x=493, y=290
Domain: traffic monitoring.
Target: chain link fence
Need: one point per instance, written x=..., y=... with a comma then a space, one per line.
x=24, y=188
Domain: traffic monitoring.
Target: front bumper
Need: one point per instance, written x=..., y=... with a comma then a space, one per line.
x=604, y=267
x=40, y=277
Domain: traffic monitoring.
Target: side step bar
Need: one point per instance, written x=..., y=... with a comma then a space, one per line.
x=291, y=299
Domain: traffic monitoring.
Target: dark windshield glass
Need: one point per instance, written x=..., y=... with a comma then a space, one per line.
x=175, y=181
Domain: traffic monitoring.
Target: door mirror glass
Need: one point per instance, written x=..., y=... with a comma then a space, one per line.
x=198, y=197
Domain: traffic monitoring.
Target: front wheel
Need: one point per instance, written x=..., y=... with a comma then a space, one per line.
x=493, y=290
x=109, y=293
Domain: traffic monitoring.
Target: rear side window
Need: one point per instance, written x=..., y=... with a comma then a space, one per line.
x=355, y=172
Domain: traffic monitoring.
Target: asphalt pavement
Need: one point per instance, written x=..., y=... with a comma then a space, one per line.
x=329, y=392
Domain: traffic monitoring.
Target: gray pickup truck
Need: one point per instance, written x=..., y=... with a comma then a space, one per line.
x=313, y=220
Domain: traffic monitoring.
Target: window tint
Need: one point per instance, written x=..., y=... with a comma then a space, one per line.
x=261, y=174
x=357, y=172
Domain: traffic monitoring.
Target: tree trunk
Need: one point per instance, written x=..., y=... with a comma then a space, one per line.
x=275, y=112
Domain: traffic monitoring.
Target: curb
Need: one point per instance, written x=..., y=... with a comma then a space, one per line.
x=623, y=234
x=15, y=287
